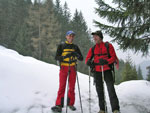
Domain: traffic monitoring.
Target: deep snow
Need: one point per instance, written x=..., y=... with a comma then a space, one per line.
x=28, y=85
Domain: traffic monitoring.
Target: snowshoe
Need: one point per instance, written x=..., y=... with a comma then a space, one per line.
x=72, y=108
x=57, y=109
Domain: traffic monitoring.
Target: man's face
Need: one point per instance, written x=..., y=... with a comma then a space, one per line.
x=97, y=39
x=70, y=38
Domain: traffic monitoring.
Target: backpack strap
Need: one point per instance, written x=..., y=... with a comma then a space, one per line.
x=107, y=47
x=93, y=48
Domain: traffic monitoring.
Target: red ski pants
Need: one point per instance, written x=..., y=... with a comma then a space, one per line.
x=63, y=75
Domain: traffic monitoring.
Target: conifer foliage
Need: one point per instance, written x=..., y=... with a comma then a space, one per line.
x=148, y=75
x=139, y=71
x=129, y=23
x=129, y=72
x=36, y=28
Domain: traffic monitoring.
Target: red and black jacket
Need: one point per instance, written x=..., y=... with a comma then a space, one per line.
x=100, y=51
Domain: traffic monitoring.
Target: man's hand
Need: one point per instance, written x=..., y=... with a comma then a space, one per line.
x=68, y=55
x=75, y=54
x=103, y=61
x=89, y=63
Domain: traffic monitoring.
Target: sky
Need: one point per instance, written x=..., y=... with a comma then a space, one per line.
x=87, y=8
x=28, y=85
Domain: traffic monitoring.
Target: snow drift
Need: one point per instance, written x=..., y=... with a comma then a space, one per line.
x=28, y=85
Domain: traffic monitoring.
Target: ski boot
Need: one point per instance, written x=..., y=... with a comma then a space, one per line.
x=57, y=109
x=72, y=108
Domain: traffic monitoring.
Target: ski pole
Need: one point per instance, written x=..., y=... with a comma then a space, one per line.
x=68, y=84
x=105, y=104
x=79, y=90
x=89, y=90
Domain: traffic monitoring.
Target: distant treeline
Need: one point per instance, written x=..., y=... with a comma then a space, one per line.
x=35, y=29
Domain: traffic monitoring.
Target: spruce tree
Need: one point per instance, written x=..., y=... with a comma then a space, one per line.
x=148, y=75
x=129, y=23
x=129, y=72
x=64, y=17
x=44, y=30
x=22, y=40
x=33, y=22
x=140, y=76
x=12, y=20
x=135, y=74
x=50, y=31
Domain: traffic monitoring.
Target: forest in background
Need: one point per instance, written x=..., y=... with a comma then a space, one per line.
x=36, y=29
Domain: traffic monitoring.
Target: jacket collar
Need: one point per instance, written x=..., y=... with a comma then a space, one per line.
x=67, y=42
x=100, y=43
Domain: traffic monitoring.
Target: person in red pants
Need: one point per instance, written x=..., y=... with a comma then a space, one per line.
x=67, y=54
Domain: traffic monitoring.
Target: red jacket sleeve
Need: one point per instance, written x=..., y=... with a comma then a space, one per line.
x=89, y=55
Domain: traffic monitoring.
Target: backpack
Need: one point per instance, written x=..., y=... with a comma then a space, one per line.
x=110, y=65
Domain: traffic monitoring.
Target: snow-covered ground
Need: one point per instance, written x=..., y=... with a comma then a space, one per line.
x=28, y=85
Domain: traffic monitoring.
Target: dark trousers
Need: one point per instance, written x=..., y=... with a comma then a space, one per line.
x=110, y=87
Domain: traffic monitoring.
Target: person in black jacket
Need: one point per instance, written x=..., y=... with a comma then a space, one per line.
x=67, y=54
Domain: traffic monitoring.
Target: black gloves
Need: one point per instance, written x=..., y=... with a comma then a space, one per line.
x=75, y=54
x=89, y=63
x=61, y=58
x=72, y=54
x=68, y=55
x=103, y=62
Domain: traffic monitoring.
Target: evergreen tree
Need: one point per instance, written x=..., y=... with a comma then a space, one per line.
x=135, y=72
x=148, y=75
x=22, y=40
x=12, y=19
x=140, y=76
x=50, y=32
x=33, y=22
x=129, y=23
x=64, y=17
x=6, y=18
x=66, y=12
x=44, y=30
x=58, y=7
x=129, y=72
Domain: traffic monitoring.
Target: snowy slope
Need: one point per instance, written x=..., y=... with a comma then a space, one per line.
x=28, y=85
